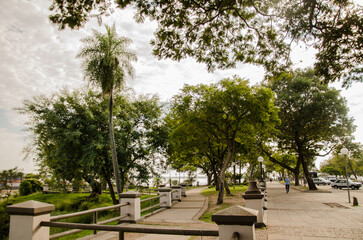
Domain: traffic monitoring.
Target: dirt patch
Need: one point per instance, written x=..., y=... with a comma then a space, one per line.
x=336, y=205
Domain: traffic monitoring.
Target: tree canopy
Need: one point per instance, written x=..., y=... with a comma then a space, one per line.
x=70, y=135
x=218, y=121
x=106, y=60
x=314, y=118
x=220, y=33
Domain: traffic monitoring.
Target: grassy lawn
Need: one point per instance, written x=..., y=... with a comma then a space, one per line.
x=229, y=200
x=69, y=203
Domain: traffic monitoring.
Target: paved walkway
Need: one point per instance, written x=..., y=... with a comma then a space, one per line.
x=293, y=216
x=185, y=213
x=311, y=216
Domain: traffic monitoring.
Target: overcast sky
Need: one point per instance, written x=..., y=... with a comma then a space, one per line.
x=36, y=58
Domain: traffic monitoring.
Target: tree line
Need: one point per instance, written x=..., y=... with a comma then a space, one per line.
x=290, y=120
x=291, y=117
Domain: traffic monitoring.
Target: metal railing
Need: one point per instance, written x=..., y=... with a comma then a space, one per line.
x=153, y=208
x=135, y=229
x=94, y=220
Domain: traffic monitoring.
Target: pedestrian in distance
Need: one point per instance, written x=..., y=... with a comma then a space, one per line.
x=287, y=185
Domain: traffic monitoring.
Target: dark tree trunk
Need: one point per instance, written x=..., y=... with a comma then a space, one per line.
x=226, y=187
x=351, y=168
x=307, y=175
x=107, y=176
x=209, y=179
x=222, y=174
x=112, y=192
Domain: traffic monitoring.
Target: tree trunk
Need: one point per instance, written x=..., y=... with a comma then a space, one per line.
x=307, y=175
x=351, y=168
x=114, y=152
x=296, y=175
x=209, y=179
x=226, y=187
x=112, y=192
x=222, y=175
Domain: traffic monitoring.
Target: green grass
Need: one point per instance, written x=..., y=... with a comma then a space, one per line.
x=237, y=190
x=207, y=216
x=213, y=208
x=69, y=203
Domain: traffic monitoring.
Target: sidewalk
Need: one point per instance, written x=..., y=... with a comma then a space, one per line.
x=293, y=216
x=310, y=216
x=184, y=213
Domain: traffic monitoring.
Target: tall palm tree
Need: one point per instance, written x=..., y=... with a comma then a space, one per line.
x=106, y=61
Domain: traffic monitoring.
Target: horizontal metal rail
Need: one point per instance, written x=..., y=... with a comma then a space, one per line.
x=151, y=207
x=149, y=199
x=170, y=231
x=54, y=218
x=152, y=213
x=113, y=219
x=62, y=234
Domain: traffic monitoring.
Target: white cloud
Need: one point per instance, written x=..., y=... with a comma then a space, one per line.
x=37, y=58
x=11, y=146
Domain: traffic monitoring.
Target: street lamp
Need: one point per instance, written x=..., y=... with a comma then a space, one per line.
x=169, y=168
x=234, y=174
x=260, y=160
x=344, y=152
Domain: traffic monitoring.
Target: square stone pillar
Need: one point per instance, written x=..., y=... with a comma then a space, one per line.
x=255, y=199
x=134, y=207
x=236, y=222
x=176, y=193
x=165, y=197
x=183, y=190
x=25, y=219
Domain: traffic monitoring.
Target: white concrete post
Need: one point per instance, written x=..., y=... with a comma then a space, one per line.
x=25, y=219
x=236, y=223
x=176, y=194
x=165, y=197
x=255, y=199
x=183, y=190
x=134, y=207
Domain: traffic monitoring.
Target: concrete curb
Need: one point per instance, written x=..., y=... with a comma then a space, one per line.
x=202, y=210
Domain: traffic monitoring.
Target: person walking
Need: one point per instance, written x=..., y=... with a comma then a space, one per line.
x=287, y=185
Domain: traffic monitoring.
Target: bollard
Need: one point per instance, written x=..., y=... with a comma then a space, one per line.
x=165, y=197
x=133, y=209
x=183, y=189
x=177, y=194
x=236, y=222
x=255, y=199
x=355, y=201
x=25, y=219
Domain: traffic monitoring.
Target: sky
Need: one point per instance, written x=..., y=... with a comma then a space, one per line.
x=36, y=58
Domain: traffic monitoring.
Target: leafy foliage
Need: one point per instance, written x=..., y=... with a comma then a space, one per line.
x=313, y=118
x=70, y=135
x=106, y=60
x=215, y=122
x=30, y=186
x=220, y=33
x=6, y=177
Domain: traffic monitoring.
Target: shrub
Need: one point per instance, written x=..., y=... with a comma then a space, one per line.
x=30, y=186
x=25, y=188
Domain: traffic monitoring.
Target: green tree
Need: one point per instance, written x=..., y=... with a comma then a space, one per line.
x=336, y=164
x=6, y=179
x=70, y=136
x=220, y=33
x=313, y=118
x=221, y=119
x=106, y=64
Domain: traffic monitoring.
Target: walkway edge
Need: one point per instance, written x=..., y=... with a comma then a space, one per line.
x=202, y=210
